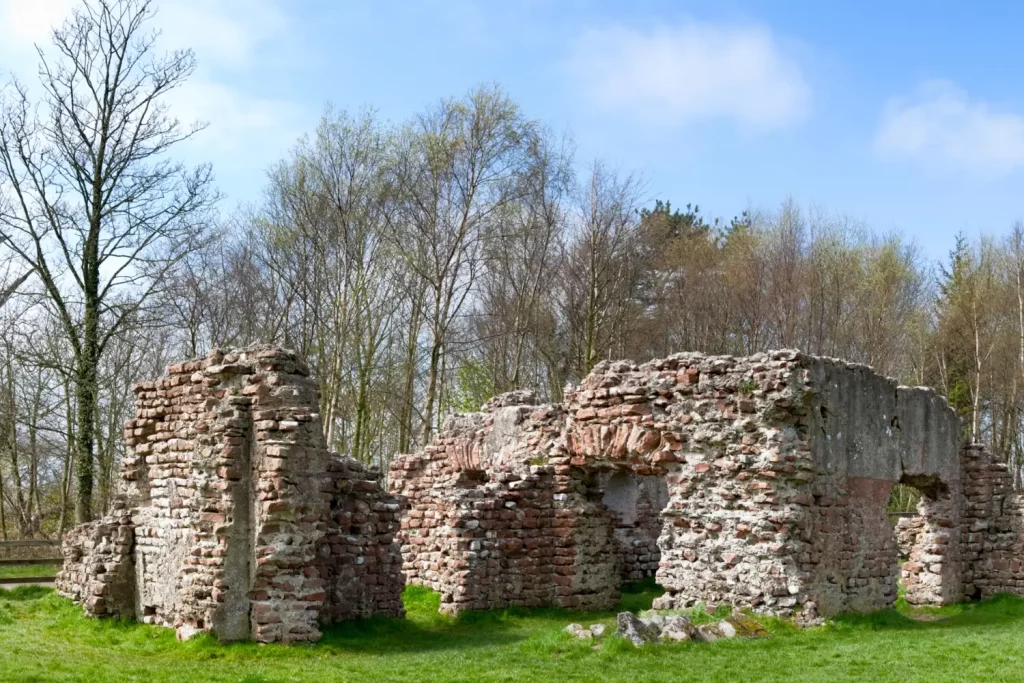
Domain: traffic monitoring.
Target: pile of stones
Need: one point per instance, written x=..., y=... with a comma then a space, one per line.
x=676, y=628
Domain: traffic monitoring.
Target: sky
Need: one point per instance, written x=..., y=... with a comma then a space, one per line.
x=905, y=116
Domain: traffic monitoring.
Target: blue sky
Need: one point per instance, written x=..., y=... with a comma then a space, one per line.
x=907, y=117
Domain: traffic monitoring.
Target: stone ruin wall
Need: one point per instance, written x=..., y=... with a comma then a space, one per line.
x=991, y=531
x=98, y=569
x=496, y=519
x=759, y=482
x=236, y=519
x=778, y=470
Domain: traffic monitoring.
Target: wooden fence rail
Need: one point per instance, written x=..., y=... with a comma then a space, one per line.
x=29, y=552
x=29, y=543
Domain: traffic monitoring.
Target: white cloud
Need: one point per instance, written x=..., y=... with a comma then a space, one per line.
x=939, y=123
x=227, y=33
x=237, y=122
x=24, y=23
x=693, y=71
x=29, y=21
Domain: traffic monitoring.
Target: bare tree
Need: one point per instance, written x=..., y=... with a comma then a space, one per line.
x=462, y=165
x=89, y=200
x=521, y=255
x=602, y=273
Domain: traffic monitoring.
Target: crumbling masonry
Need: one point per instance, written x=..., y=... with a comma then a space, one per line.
x=759, y=482
x=235, y=517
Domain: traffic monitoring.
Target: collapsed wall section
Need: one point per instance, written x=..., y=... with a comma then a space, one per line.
x=360, y=559
x=497, y=517
x=635, y=502
x=98, y=570
x=992, y=531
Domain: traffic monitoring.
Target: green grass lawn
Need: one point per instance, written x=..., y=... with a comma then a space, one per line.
x=43, y=638
x=26, y=570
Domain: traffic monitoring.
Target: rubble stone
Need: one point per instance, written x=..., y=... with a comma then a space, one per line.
x=678, y=629
x=635, y=630
x=742, y=626
x=709, y=633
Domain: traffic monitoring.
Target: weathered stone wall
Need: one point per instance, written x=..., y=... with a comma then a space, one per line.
x=238, y=510
x=98, y=570
x=907, y=531
x=496, y=516
x=360, y=559
x=992, y=530
x=934, y=571
x=778, y=470
x=727, y=533
x=759, y=482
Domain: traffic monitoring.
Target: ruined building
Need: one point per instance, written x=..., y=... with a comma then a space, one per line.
x=759, y=482
x=235, y=518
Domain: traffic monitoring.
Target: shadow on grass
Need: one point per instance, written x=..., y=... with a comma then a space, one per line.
x=424, y=629
x=996, y=611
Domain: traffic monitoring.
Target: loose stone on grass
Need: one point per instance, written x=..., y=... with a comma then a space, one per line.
x=577, y=631
x=742, y=626
x=676, y=628
x=636, y=630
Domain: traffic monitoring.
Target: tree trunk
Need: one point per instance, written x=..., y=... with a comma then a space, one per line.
x=976, y=399
x=85, y=398
x=432, y=372
x=408, y=398
x=3, y=507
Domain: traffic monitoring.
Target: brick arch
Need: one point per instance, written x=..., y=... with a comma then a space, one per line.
x=778, y=468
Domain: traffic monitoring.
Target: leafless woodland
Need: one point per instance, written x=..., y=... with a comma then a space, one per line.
x=421, y=266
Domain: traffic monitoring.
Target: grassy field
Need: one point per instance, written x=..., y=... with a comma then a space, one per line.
x=26, y=570
x=44, y=638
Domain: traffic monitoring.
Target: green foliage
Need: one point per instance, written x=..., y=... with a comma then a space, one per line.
x=957, y=309
x=903, y=499
x=747, y=387
x=669, y=224
x=473, y=386
x=46, y=638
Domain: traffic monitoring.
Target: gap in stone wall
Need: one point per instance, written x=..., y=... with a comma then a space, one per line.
x=928, y=560
x=636, y=503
